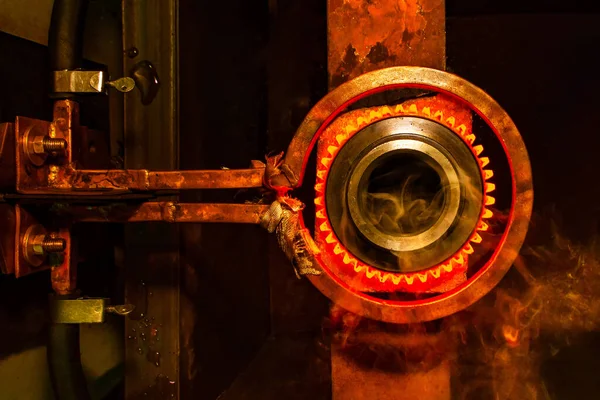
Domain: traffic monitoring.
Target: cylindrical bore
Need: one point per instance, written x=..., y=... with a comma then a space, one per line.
x=384, y=228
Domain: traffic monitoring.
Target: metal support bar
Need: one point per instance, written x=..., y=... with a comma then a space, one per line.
x=166, y=212
x=67, y=178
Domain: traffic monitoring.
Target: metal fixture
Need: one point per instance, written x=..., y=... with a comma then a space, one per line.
x=84, y=310
x=37, y=243
x=82, y=81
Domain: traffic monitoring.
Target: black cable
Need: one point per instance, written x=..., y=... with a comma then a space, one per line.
x=64, y=362
x=65, y=37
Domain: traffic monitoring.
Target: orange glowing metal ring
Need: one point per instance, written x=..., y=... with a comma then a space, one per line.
x=364, y=277
x=517, y=223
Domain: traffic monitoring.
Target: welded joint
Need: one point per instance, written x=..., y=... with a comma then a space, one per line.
x=170, y=211
x=283, y=218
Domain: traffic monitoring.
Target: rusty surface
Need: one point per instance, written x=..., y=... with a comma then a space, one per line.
x=385, y=366
x=64, y=266
x=67, y=178
x=165, y=211
x=367, y=35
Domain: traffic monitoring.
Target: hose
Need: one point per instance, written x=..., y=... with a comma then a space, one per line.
x=64, y=362
x=65, y=37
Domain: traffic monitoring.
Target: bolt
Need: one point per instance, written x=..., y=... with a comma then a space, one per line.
x=52, y=145
x=54, y=245
x=42, y=244
x=43, y=145
x=37, y=243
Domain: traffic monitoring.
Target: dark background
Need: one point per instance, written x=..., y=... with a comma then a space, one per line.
x=249, y=72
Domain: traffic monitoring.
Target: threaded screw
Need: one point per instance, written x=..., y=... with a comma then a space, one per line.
x=52, y=145
x=53, y=245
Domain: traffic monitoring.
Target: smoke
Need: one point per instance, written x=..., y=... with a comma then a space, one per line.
x=496, y=346
x=405, y=196
x=548, y=299
x=401, y=210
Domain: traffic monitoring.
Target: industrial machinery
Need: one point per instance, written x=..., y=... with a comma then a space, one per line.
x=422, y=194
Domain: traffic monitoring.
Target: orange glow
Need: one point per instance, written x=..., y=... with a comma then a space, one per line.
x=365, y=277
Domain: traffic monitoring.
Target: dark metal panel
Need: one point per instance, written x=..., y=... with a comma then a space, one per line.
x=225, y=285
x=152, y=250
x=297, y=70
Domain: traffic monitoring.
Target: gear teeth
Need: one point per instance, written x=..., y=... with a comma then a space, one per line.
x=459, y=259
x=370, y=272
x=326, y=161
x=383, y=277
x=333, y=147
x=341, y=138
x=468, y=249
x=347, y=259
x=483, y=226
x=350, y=129
x=375, y=115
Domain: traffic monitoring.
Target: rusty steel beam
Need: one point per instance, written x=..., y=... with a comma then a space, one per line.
x=167, y=212
x=67, y=178
x=366, y=35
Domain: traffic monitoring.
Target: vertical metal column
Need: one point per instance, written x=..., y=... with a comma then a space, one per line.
x=151, y=254
x=363, y=36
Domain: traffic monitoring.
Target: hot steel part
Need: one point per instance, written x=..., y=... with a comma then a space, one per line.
x=291, y=171
x=376, y=161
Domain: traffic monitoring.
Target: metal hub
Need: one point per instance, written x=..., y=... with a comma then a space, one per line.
x=404, y=194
